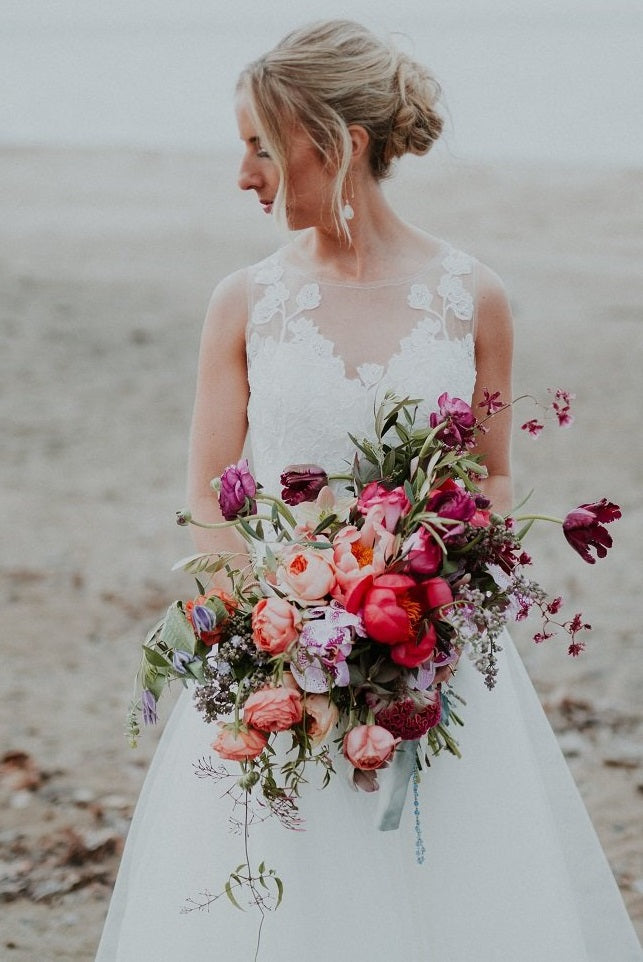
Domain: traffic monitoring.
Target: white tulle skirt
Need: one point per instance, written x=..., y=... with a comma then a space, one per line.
x=513, y=873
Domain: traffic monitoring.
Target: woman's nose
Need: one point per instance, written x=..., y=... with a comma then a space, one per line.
x=250, y=177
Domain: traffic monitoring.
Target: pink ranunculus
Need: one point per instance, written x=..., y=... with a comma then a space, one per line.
x=275, y=625
x=239, y=745
x=273, y=709
x=423, y=553
x=321, y=716
x=368, y=747
x=393, y=503
x=307, y=573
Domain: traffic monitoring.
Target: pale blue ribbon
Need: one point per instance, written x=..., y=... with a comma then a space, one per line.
x=396, y=784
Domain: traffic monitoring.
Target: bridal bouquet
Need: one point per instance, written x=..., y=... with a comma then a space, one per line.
x=347, y=619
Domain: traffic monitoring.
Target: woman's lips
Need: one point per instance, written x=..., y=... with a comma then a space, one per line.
x=267, y=205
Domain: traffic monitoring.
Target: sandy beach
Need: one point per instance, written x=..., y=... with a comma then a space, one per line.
x=107, y=261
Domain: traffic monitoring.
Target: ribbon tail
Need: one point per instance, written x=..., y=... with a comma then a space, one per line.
x=393, y=792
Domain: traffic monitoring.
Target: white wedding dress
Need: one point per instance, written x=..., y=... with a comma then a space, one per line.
x=513, y=871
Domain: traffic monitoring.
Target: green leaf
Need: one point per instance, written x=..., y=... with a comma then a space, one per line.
x=280, y=891
x=155, y=658
x=228, y=892
x=176, y=631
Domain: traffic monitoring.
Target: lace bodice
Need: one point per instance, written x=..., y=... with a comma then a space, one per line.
x=321, y=354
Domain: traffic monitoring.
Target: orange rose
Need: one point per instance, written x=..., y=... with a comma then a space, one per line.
x=368, y=747
x=321, y=716
x=307, y=573
x=275, y=625
x=273, y=709
x=203, y=620
x=239, y=745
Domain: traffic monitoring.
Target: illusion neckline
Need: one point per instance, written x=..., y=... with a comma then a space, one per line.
x=402, y=279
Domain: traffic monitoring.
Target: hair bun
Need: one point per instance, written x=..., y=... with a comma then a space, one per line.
x=416, y=125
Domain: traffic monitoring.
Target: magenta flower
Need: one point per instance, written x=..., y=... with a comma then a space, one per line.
x=458, y=420
x=302, y=482
x=237, y=485
x=492, y=402
x=583, y=528
x=452, y=502
x=533, y=427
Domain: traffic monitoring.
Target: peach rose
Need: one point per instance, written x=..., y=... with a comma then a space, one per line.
x=368, y=747
x=321, y=716
x=306, y=573
x=273, y=709
x=239, y=745
x=275, y=625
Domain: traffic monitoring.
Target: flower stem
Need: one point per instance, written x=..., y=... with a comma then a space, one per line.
x=539, y=517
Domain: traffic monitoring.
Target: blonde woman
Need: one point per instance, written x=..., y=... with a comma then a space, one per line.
x=294, y=351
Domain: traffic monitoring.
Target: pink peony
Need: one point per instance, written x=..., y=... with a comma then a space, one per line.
x=239, y=745
x=368, y=747
x=273, y=709
x=391, y=504
x=275, y=625
x=359, y=552
x=307, y=573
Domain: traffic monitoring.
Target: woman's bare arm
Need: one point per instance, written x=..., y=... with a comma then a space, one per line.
x=219, y=420
x=494, y=350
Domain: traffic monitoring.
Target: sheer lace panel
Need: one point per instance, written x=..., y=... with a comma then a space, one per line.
x=321, y=354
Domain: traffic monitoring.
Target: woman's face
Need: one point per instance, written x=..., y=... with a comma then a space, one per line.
x=309, y=195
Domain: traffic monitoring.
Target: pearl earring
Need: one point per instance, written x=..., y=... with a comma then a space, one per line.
x=348, y=212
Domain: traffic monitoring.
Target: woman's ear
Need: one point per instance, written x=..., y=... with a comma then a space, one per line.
x=360, y=141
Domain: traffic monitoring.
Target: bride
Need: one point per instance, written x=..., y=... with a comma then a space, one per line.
x=295, y=350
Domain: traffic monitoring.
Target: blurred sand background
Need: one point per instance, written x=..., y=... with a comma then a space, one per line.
x=107, y=260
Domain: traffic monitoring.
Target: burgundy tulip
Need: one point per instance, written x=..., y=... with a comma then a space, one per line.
x=583, y=528
x=302, y=482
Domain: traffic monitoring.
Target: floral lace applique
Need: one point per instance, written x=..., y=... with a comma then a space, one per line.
x=303, y=402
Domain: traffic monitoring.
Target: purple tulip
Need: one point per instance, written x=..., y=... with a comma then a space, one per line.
x=459, y=422
x=237, y=485
x=583, y=528
x=148, y=704
x=302, y=482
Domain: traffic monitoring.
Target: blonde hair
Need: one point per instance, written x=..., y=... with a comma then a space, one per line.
x=329, y=75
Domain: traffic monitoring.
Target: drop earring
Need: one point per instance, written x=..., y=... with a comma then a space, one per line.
x=348, y=212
